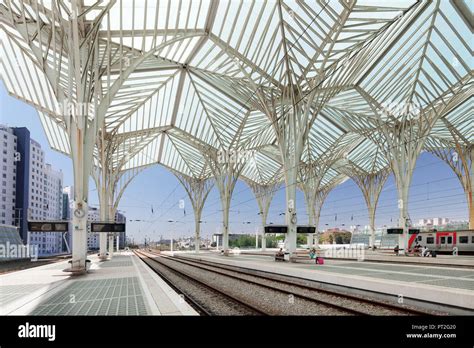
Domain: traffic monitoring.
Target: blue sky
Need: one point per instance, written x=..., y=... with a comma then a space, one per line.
x=435, y=192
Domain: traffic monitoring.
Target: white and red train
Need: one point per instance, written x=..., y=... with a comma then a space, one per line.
x=445, y=241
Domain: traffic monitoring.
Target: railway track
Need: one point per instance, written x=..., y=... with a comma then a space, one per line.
x=315, y=300
x=351, y=303
x=205, y=298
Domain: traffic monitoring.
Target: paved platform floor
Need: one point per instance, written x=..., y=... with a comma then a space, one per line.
x=121, y=286
x=386, y=256
x=452, y=286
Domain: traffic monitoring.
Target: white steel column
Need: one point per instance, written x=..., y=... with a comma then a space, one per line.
x=82, y=132
x=111, y=218
x=317, y=213
x=310, y=202
x=226, y=166
x=104, y=210
x=225, y=200
x=197, y=189
x=320, y=197
x=197, y=231
x=402, y=135
x=102, y=178
x=371, y=184
x=264, y=194
x=311, y=175
x=471, y=188
x=460, y=158
x=290, y=215
x=111, y=182
x=101, y=185
x=81, y=154
x=111, y=244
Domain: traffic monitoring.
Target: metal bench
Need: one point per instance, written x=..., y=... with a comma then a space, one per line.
x=283, y=257
x=304, y=255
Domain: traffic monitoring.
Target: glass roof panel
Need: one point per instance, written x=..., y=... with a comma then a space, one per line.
x=206, y=87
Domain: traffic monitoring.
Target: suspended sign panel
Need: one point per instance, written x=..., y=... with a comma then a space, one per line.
x=413, y=230
x=48, y=226
x=107, y=227
x=394, y=230
x=305, y=229
x=276, y=229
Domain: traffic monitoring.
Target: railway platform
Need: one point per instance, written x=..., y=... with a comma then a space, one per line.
x=442, y=285
x=120, y=286
x=388, y=256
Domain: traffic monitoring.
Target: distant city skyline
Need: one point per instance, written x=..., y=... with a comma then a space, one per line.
x=153, y=197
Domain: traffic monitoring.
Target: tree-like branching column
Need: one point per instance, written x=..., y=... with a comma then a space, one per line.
x=402, y=142
x=292, y=115
x=197, y=189
x=226, y=167
x=311, y=175
x=111, y=178
x=459, y=156
x=319, y=199
x=293, y=104
x=371, y=184
x=65, y=49
x=310, y=179
x=263, y=194
x=401, y=135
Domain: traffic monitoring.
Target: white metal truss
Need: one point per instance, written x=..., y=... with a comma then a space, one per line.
x=320, y=197
x=175, y=82
x=197, y=188
x=264, y=194
x=458, y=153
x=371, y=184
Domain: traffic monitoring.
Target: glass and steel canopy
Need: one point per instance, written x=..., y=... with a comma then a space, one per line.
x=174, y=78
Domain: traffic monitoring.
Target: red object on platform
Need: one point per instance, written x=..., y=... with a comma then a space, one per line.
x=320, y=261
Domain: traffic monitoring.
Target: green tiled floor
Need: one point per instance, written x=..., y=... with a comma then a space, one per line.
x=114, y=296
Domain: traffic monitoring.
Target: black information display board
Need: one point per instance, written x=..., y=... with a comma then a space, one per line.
x=48, y=226
x=394, y=230
x=284, y=229
x=107, y=227
x=400, y=230
x=305, y=229
x=276, y=229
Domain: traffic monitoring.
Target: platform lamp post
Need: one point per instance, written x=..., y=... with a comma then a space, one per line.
x=264, y=242
x=171, y=240
x=248, y=223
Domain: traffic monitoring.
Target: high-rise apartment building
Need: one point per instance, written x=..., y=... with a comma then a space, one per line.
x=8, y=156
x=31, y=190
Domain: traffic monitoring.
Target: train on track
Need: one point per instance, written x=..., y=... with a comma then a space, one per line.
x=445, y=242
